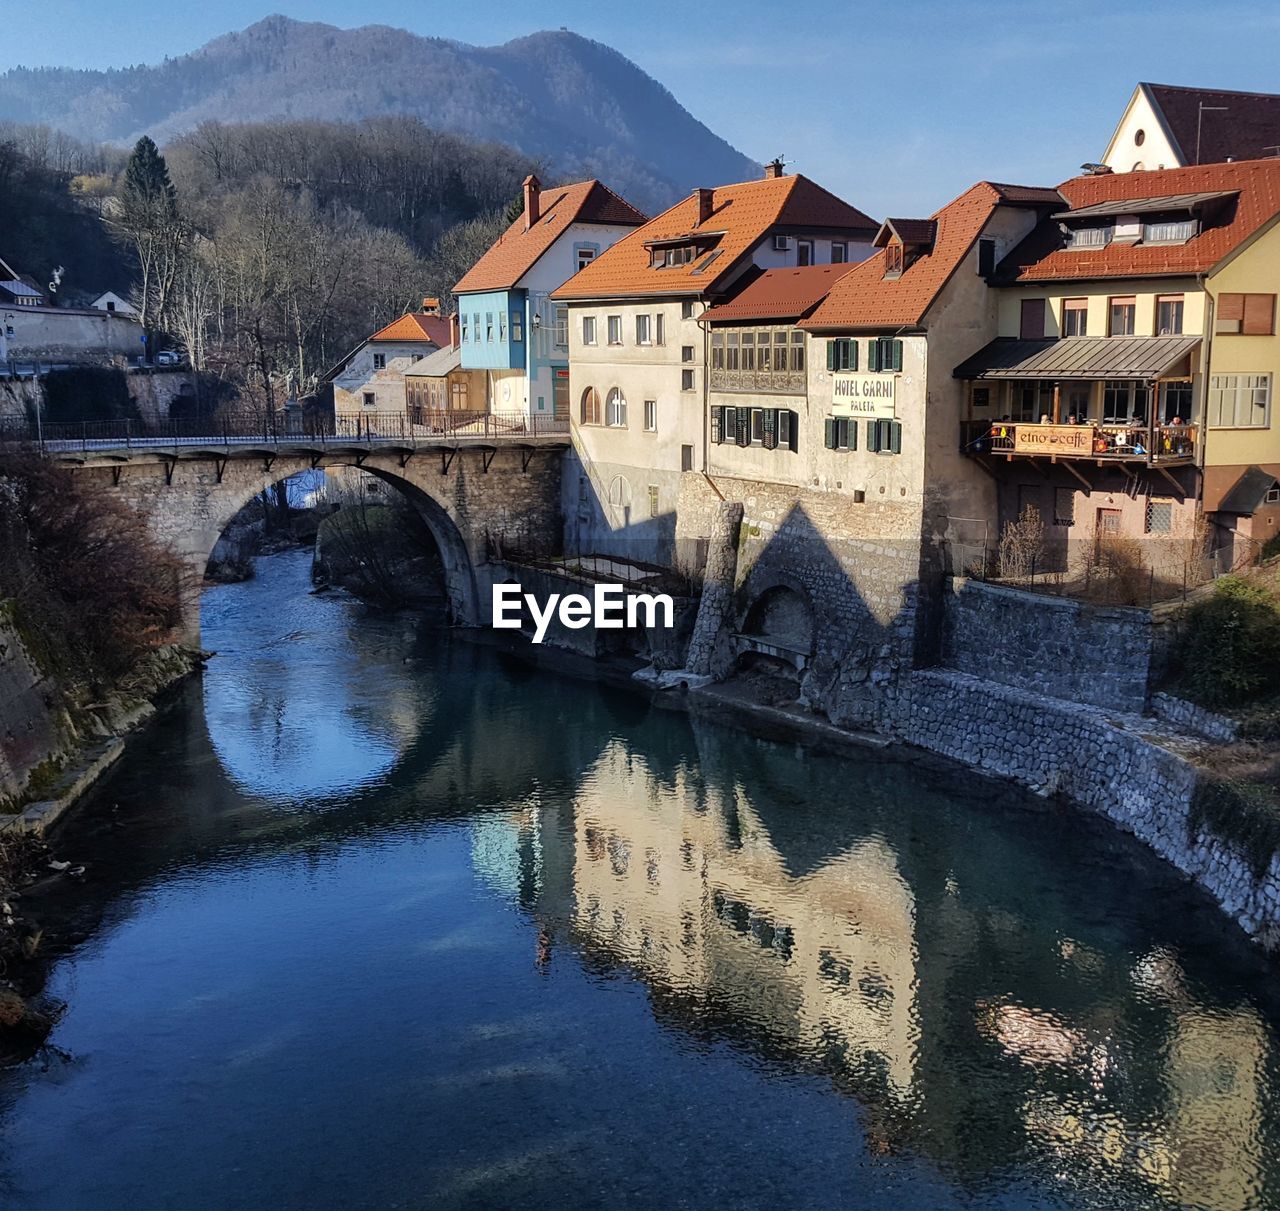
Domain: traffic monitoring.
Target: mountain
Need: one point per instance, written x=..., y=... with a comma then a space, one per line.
x=577, y=105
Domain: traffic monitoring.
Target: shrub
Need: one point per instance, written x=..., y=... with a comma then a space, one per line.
x=1230, y=646
x=1118, y=574
x=1022, y=545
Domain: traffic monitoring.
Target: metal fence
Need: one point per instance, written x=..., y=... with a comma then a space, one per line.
x=227, y=428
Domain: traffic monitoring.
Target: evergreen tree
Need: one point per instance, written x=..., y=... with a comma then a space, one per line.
x=146, y=182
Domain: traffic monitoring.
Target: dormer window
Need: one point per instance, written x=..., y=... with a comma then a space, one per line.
x=893, y=261
x=1089, y=237
x=1177, y=231
x=669, y=258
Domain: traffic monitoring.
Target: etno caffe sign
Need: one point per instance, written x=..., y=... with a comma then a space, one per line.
x=873, y=395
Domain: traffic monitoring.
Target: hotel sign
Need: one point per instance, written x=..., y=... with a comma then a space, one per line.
x=864, y=394
x=1052, y=439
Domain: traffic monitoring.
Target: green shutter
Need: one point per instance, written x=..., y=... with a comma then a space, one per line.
x=851, y=435
x=793, y=434
x=717, y=425
x=769, y=429
x=895, y=437
x=873, y=437
x=897, y=355
x=829, y=438
x=873, y=354
x=831, y=355
x=853, y=355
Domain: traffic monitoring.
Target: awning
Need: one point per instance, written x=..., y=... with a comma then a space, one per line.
x=1076, y=357
x=1125, y=206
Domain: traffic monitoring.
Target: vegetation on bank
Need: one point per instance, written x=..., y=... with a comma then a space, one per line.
x=87, y=588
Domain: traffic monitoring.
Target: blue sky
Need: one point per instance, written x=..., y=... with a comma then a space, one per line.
x=896, y=106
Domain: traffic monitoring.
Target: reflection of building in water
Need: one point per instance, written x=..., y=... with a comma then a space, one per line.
x=683, y=882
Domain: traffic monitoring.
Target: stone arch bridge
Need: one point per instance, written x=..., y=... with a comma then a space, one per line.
x=474, y=491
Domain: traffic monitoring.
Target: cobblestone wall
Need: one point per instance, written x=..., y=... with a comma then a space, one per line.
x=1048, y=645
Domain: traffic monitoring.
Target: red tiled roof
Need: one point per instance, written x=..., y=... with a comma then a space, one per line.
x=865, y=298
x=909, y=231
x=416, y=327
x=780, y=294
x=1042, y=256
x=1244, y=126
x=740, y=215
x=516, y=250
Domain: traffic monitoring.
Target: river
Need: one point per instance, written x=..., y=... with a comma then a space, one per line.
x=378, y=918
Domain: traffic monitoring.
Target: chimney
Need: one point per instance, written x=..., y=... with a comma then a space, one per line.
x=430, y=306
x=532, y=192
x=773, y=170
x=453, y=330
x=703, y=198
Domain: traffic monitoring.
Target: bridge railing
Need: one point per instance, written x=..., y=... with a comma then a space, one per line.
x=226, y=428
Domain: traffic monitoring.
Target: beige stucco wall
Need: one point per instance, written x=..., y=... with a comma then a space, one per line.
x=1125, y=154
x=387, y=385
x=1145, y=292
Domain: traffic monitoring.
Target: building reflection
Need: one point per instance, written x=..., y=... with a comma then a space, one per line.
x=970, y=1034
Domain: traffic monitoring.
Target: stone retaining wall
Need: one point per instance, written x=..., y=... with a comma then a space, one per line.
x=1048, y=645
x=1119, y=766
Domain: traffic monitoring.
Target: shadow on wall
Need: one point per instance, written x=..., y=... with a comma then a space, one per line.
x=610, y=515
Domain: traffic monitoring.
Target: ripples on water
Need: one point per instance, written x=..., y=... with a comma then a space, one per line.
x=381, y=919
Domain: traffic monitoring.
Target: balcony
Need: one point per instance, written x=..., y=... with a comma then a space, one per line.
x=762, y=382
x=1146, y=445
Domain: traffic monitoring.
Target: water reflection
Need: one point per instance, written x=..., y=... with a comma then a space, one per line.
x=379, y=918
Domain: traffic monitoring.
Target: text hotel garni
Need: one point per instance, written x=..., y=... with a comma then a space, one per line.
x=609, y=608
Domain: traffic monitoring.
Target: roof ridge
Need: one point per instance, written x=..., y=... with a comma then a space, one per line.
x=1196, y=88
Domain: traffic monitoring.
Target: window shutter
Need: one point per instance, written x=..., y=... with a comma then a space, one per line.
x=1259, y=315
x=895, y=437
x=829, y=437
x=873, y=354
x=897, y=355
x=851, y=434
x=873, y=437
x=792, y=430
x=729, y=425
x=853, y=355
x=744, y=426
x=769, y=429
x=717, y=426
x=1231, y=306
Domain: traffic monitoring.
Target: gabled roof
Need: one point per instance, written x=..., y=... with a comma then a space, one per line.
x=1248, y=493
x=1244, y=126
x=20, y=290
x=1043, y=255
x=779, y=294
x=516, y=250
x=908, y=231
x=865, y=298
x=416, y=327
x=437, y=364
x=740, y=217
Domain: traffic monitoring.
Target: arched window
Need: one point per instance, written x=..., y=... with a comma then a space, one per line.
x=590, y=407
x=615, y=410
x=620, y=492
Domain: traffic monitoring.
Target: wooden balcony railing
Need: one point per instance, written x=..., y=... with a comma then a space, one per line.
x=1163, y=445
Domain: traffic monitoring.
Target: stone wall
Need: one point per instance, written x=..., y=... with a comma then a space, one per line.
x=1048, y=645
x=1118, y=766
x=153, y=390
x=32, y=729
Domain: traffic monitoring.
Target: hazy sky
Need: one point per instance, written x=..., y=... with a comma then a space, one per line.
x=897, y=106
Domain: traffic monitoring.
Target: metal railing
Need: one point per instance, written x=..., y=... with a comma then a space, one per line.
x=1111, y=442
x=229, y=428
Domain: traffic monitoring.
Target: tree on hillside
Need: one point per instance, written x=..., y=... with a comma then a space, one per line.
x=147, y=219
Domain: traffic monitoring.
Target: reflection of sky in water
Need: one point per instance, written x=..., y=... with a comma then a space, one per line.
x=292, y=710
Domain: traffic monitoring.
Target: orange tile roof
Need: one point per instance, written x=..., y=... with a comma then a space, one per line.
x=416, y=327
x=865, y=298
x=779, y=294
x=516, y=250
x=1042, y=256
x=741, y=214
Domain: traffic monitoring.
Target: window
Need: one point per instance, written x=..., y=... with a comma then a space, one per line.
x=986, y=257
x=686, y=353
x=797, y=353
x=653, y=500
x=893, y=261
x=842, y=355
x=884, y=437
x=585, y=257
x=502, y=327
x=370, y=399
x=1272, y=497
x=588, y=329
x=1239, y=401
x=466, y=329
x=517, y=326
x=379, y=361
x=839, y=252
x=615, y=410
x=1122, y=313
x=1089, y=237
x=459, y=394
x=669, y=258
x=1177, y=232
x=110, y=305
x=884, y=353
x=1169, y=315
x=651, y=416
x=686, y=380
x=1064, y=506
x=804, y=252
x=660, y=329
x=686, y=311
x=644, y=326
x=475, y=325
x=560, y=326
x=1159, y=515
x=841, y=433
x=1123, y=400
x=1031, y=320
x=615, y=330
x=488, y=327
x=590, y=412
x=686, y=458
x=1246, y=314
x=1177, y=397
x=1075, y=317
